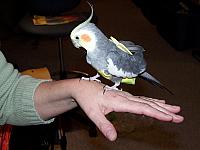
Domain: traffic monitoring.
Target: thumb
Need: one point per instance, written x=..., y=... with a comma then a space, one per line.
x=104, y=125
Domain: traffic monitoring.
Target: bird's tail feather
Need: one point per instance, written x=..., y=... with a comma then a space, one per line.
x=146, y=76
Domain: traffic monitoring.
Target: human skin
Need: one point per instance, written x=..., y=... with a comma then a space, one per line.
x=56, y=97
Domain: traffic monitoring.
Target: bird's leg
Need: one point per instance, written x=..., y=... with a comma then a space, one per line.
x=94, y=78
x=114, y=87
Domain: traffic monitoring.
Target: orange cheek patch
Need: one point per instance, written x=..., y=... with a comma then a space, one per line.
x=86, y=38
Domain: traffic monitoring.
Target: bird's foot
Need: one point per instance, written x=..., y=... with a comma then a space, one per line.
x=90, y=79
x=106, y=87
x=94, y=78
x=109, y=88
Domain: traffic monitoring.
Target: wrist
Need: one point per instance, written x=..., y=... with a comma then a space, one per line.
x=85, y=88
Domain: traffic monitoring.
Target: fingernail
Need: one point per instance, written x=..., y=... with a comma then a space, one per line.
x=177, y=107
x=179, y=119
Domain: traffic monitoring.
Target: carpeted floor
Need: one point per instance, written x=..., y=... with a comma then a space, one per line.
x=179, y=71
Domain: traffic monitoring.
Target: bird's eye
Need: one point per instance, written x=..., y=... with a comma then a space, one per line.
x=77, y=37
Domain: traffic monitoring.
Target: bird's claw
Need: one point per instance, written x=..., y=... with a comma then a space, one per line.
x=91, y=79
x=109, y=88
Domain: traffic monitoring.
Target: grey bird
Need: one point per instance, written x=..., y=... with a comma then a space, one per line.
x=118, y=61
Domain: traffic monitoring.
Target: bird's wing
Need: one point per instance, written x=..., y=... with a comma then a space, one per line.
x=133, y=48
x=121, y=64
x=120, y=46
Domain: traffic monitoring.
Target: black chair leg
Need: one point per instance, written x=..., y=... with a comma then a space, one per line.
x=63, y=73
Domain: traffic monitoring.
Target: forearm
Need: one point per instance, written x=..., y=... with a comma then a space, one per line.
x=16, y=96
x=55, y=97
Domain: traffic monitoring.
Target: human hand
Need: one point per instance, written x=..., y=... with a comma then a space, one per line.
x=96, y=105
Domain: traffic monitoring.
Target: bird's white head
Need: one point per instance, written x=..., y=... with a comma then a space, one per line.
x=81, y=36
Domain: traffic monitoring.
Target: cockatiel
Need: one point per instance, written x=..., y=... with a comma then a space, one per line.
x=118, y=61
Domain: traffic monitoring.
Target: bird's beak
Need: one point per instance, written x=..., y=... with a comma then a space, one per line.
x=76, y=44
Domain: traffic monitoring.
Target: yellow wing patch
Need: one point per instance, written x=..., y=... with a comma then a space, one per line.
x=103, y=74
x=125, y=80
x=128, y=80
x=120, y=46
